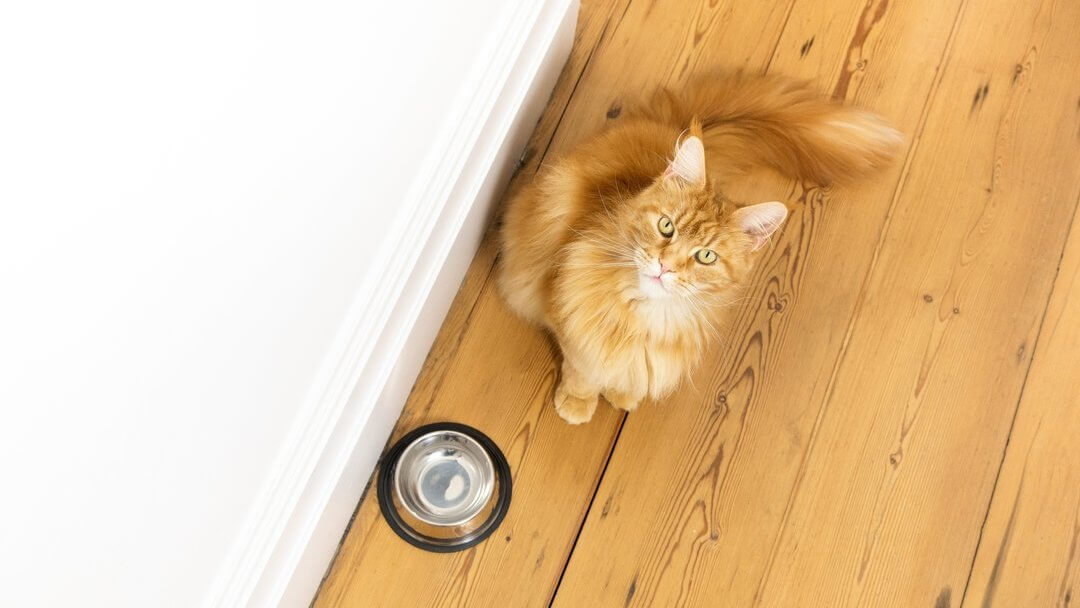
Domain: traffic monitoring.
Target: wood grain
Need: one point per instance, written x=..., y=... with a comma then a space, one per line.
x=842, y=447
x=842, y=443
x=1029, y=553
x=901, y=466
x=696, y=521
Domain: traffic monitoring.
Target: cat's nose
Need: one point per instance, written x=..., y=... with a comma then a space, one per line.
x=663, y=268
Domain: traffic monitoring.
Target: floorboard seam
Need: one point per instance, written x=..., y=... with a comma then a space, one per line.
x=1020, y=399
x=779, y=36
x=588, y=509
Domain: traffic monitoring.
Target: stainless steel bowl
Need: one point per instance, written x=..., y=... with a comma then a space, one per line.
x=444, y=478
x=444, y=487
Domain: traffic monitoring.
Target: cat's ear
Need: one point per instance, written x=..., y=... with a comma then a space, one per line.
x=760, y=221
x=688, y=165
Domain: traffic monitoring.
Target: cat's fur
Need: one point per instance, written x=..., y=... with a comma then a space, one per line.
x=583, y=252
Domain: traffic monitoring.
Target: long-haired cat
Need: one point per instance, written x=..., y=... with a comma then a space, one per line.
x=626, y=251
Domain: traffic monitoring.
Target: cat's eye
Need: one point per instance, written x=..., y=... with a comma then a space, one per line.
x=705, y=256
x=666, y=227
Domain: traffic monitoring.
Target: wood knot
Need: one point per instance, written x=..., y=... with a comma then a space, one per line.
x=944, y=599
x=720, y=406
x=631, y=591
x=980, y=96
x=614, y=111
x=607, y=507
x=928, y=298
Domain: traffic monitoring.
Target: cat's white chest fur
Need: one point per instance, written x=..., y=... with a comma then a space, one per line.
x=664, y=321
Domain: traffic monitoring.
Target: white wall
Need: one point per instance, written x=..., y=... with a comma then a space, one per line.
x=199, y=203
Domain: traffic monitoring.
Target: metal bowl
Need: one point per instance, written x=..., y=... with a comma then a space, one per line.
x=444, y=487
x=444, y=478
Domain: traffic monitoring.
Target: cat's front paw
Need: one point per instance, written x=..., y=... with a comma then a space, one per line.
x=621, y=402
x=574, y=410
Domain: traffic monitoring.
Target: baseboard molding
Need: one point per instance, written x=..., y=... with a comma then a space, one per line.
x=293, y=532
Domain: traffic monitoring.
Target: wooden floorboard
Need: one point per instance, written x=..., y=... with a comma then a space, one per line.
x=842, y=443
x=1029, y=553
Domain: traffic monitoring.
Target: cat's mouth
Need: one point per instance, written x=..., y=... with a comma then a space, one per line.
x=654, y=286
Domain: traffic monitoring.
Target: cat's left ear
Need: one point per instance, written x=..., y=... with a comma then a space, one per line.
x=688, y=165
x=760, y=221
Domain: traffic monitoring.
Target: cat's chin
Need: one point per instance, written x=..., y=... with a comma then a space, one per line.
x=653, y=289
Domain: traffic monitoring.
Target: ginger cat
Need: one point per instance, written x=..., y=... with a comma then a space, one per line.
x=626, y=250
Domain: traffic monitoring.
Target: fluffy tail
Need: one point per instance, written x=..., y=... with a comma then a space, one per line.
x=778, y=123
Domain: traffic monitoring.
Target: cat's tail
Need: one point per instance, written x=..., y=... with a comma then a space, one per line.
x=779, y=123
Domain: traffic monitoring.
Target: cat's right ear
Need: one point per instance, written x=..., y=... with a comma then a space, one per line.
x=688, y=166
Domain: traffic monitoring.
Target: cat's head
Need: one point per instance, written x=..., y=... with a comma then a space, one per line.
x=686, y=244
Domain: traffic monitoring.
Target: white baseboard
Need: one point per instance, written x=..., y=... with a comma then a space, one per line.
x=293, y=533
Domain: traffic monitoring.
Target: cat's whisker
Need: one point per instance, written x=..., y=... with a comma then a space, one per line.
x=700, y=307
x=600, y=238
x=616, y=251
x=712, y=303
x=703, y=318
x=693, y=385
x=599, y=265
x=614, y=222
x=730, y=303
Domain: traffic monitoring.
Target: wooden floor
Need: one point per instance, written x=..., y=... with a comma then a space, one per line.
x=893, y=418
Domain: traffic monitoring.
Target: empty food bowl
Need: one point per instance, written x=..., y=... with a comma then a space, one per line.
x=444, y=487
